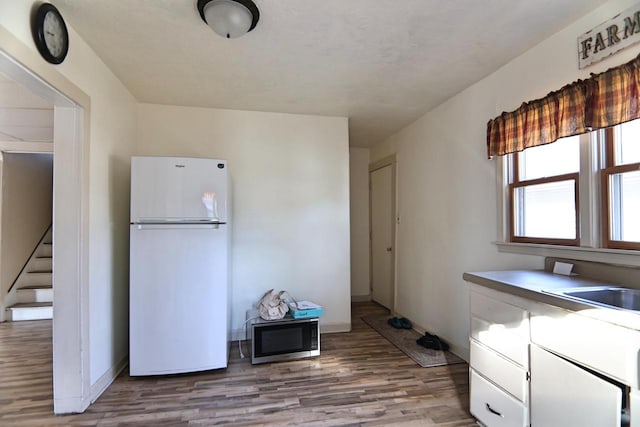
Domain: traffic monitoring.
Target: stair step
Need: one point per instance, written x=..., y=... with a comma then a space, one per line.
x=31, y=279
x=34, y=294
x=42, y=264
x=45, y=250
x=36, y=287
x=29, y=311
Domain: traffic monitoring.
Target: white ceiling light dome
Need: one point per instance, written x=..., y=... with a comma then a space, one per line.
x=229, y=18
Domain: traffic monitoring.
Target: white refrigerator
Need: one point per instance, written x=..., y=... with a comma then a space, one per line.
x=179, y=314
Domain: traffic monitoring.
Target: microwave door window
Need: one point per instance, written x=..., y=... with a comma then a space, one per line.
x=282, y=340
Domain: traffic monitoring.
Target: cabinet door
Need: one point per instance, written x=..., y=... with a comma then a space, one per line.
x=602, y=346
x=563, y=394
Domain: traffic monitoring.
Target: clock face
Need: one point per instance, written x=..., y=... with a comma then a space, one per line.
x=50, y=33
x=54, y=34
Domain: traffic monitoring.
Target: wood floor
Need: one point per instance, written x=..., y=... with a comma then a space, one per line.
x=360, y=379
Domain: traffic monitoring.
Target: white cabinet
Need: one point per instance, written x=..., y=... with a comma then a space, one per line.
x=563, y=394
x=499, y=361
x=582, y=370
x=540, y=365
x=601, y=346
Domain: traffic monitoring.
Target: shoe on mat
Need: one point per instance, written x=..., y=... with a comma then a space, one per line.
x=405, y=323
x=395, y=322
x=443, y=345
x=426, y=342
x=432, y=342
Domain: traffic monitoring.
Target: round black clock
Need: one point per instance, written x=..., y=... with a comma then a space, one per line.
x=50, y=33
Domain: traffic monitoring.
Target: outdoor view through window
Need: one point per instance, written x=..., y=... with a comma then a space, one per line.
x=545, y=206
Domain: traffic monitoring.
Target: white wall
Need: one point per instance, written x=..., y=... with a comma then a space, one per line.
x=27, y=193
x=290, y=185
x=447, y=187
x=111, y=141
x=359, y=205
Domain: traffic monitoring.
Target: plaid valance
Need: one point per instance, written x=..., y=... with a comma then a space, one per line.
x=604, y=100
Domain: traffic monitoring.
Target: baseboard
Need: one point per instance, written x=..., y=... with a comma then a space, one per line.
x=332, y=328
x=107, y=378
x=70, y=405
x=240, y=334
x=360, y=298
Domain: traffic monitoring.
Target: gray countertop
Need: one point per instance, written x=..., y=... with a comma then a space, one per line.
x=533, y=284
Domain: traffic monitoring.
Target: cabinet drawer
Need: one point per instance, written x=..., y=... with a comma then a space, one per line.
x=492, y=406
x=498, y=338
x=513, y=319
x=501, y=371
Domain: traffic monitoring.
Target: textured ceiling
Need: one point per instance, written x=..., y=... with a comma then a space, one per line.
x=382, y=63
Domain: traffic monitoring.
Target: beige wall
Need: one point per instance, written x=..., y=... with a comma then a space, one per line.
x=111, y=141
x=447, y=187
x=27, y=193
x=112, y=129
x=359, y=213
x=290, y=186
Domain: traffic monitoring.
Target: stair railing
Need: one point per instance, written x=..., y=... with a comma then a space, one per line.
x=29, y=257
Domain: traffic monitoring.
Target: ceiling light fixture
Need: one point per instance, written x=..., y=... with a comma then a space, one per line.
x=229, y=18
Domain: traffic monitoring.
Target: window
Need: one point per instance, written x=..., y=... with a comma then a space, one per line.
x=544, y=194
x=621, y=187
x=578, y=191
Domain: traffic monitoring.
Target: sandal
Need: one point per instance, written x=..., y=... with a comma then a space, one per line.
x=395, y=322
x=405, y=323
x=432, y=342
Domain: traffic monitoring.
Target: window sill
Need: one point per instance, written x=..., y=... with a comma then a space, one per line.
x=609, y=256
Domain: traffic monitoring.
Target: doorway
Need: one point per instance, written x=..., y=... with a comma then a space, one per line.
x=26, y=256
x=26, y=177
x=71, y=380
x=382, y=213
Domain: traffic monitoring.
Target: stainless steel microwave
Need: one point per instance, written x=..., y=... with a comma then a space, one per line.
x=284, y=339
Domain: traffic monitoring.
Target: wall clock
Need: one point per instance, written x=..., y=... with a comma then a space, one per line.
x=50, y=33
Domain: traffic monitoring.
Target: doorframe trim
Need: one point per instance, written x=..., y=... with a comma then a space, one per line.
x=374, y=166
x=72, y=113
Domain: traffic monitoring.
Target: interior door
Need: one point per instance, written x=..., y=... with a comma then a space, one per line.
x=382, y=223
x=563, y=394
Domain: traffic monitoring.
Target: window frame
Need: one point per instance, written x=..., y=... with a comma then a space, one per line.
x=590, y=249
x=515, y=183
x=610, y=168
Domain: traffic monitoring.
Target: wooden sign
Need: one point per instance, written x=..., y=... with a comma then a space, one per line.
x=617, y=33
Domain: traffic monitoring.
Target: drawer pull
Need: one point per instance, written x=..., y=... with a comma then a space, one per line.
x=493, y=411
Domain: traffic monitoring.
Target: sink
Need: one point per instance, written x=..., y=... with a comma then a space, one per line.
x=616, y=297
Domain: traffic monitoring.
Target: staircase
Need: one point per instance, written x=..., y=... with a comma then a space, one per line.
x=31, y=297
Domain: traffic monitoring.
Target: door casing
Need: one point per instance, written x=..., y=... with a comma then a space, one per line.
x=389, y=161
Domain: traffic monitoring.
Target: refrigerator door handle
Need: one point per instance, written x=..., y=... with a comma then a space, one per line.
x=177, y=226
x=176, y=221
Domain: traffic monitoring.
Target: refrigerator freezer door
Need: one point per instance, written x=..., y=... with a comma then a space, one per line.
x=178, y=299
x=183, y=188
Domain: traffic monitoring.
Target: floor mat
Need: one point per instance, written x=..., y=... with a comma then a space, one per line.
x=405, y=340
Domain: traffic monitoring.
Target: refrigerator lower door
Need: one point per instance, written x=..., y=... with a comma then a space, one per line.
x=178, y=299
